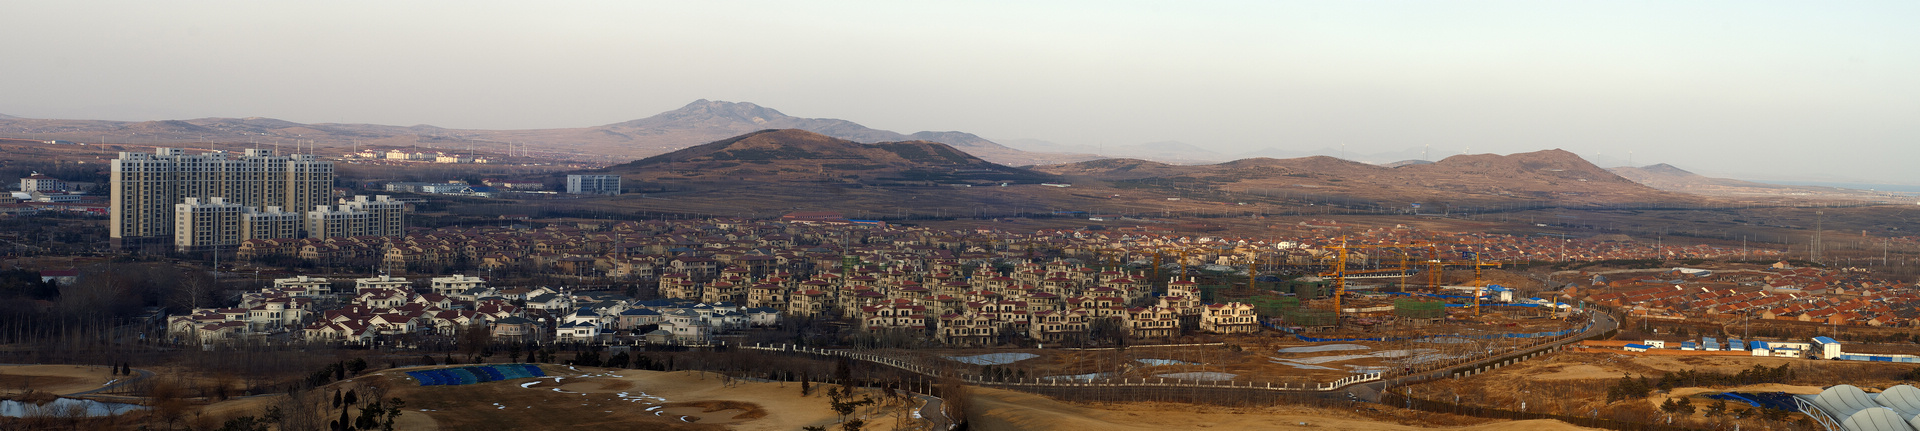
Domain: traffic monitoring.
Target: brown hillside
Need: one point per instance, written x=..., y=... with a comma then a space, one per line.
x=1114, y=169
x=1552, y=175
x=696, y=123
x=799, y=155
x=1670, y=178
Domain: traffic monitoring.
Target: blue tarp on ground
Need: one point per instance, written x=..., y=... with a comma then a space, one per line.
x=1431, y=295
x=478, y=374
x=1765, y=400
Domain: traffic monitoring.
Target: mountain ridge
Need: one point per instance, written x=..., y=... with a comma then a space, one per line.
x=777, y=155
x=1555, y=175
x=696, y=123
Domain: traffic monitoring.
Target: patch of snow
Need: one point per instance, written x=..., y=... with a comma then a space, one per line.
x=1400, y=353
x=994, y=358
x=1324, y=348
x=1157, y=362
x=59, y=407
x=1298, y=365
x=1326, y=359
x=1202, y=375
x=1433, y=357
x=1340, y=358
x=1087, y=376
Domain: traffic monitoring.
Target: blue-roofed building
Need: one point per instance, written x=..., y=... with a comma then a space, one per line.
x=1709, y=344
x=576, y=332
x=583, y=315
x=1500, y=293
x=1826, y=348
x=1686, y=345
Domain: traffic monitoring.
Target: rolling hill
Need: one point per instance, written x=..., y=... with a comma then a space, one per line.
x=793, y=155
x=698, y=122
x=1671, y=178
x=1668, y=177
x=1552, y=175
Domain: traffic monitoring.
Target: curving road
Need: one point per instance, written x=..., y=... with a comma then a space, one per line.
x=931, y=412
x=1370, y=392
x=139, y=375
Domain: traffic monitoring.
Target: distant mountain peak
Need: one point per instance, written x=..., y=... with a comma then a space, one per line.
x=1667, y=169
x=713, y=113
x=730, y=108
x=780, y=155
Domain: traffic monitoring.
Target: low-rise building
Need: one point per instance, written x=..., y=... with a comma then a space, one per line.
x=456, y=284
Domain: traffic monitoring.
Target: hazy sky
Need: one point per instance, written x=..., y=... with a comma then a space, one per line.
x=1747, y=89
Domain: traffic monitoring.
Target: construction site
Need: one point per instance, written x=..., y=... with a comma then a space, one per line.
x=1342, y=314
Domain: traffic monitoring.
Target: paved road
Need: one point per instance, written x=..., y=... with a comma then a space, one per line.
x=139, y=375
x=931, y=412
x=1370, y=392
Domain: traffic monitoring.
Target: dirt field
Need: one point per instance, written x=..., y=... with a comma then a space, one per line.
x=1267, y=357
x=1009, y=410
x=1575, y=383
x=592, y=398
x=57, y=379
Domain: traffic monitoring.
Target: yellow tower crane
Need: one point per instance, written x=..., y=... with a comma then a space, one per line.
x=1339, y=271
x=1436, y=265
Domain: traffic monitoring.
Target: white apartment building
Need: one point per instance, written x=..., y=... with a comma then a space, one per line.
x=146, y=187
x=269, y=224
x=209, y=223
x=593, y=184
x=214, y=222
x=42, y=183
x=383, y=282
x=325, y=221
x=456, y=284
x=385, y=216
x=310, y=286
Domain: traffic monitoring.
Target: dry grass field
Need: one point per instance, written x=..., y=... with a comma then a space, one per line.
x=1576, y=383
x=1009, y=410
x=56, y=379
x=593, y=398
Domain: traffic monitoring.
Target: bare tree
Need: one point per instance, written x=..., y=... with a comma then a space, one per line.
x=196, y=289
x=474, y=338
x=956, y=398
x=301, y=410
x=168, y=401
